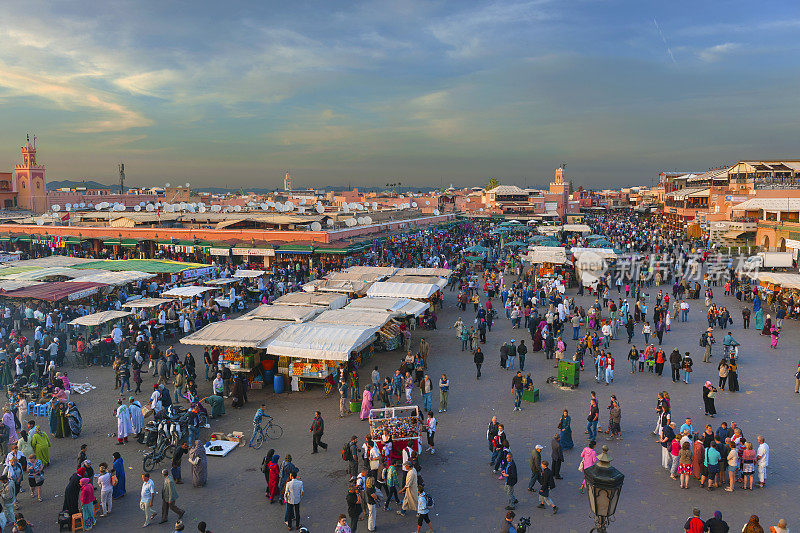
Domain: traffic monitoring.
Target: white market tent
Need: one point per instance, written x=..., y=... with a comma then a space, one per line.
x=337, y=285
x=191, y=291
x=402, y=290
x=95, y=319
x=375, y=270
x=289, y=313
x=785, y=280
x=40, y=274
x=114, y=278
x=237, y=332
x=577, y=228
x=400, y=307
x=441, y=272
x=51, y=261
x=331, y=300
x=355, y=317
x=144, y=303
x=244, y=273
x=357, y=276
x=222, y=281
x=13, y=284
x=436, y=280
x=321, y=341
x=546, y=254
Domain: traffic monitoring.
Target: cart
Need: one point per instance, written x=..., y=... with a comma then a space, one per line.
x=316, y=372
x=403, y=424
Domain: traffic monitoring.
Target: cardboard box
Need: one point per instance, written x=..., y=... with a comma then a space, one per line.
x=257, y=385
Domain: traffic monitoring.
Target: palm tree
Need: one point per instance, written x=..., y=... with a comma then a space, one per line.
x=493, y=182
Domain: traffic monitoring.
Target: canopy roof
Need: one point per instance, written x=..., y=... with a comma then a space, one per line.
x=400, y=307
x=321, y=341
x=52, y=261
x=476, y=248
x=785, y=280
x=244, y=273
x=238, y=332
x=356, y=276
x=402, y=290
x=330, y=300
x=221, y=281
x=577, y=228
x=354, y=316
x=291, y=313
x=337, y=285
x=191, y=291
x=40, y=274
x=113, y=278
x=14, y=284
x=55, y=291
x=153, y=266
x=102, y=317
x=423, y=271
x=435, y=280
x=144, y=303
x=381, y=271
x=547, y=254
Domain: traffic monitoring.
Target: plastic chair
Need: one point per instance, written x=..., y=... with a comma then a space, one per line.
x=31, y=408
x=77, y=522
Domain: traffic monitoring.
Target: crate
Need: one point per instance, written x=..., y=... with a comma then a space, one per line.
x=531, y=395
x=257, y=385
x=569, y=373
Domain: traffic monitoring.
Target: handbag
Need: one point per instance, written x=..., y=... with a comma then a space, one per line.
x=712, y=394
x=114, y=480
x=580, y=466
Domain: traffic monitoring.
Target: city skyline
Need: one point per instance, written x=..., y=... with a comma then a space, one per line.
x=427, y=94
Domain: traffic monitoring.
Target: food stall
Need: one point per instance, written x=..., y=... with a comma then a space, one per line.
x=547, y=261
x=314, y=352
x=289, y=313
x=328, y=300
x=390, y=336
x=351, y=288
x=403, y=424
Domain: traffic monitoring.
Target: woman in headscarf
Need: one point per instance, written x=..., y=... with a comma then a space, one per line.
x=41, y=445
x=758, y=318
x=72, y=493
x=197, y=458
x=53, y=416
x=274, y=478
x=61, y=395
x=5, y=374
x=265, y=468
x=239, y=392
x=287, y=467
x=87, y=503
x=767, y=325
x=537, y=337
x=74, y=419
x=8, y=420
x=119, y=470
x=62, y=423
x=774, y=333
x=566, y=431
x=366, y=403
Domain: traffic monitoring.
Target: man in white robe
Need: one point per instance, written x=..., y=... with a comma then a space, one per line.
x=123, y=422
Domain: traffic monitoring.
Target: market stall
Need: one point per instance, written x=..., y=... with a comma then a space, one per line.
x=248, y=274
x=373, y=270
x=353, y=289
x=313, y=352
x=416, y=291
x=289, y=313
x=434, y=280
x=402, y=423
x=55, y=291
x=440, y=272
x=390, y=335
x=145, y=303
x=321, y=299
x=399, y=307
x=192, y=291
x=96, y=319
x=547, y=261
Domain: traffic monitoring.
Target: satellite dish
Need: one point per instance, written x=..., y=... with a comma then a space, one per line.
x=166, y=184
x=83, y=204
x=361, y=221
x=369, y=219
x=301, y=209
x=250, y=204
x=330, y=222
x=149, y=207
x=137, y=208
x=56, y=207
x=316, y=226
x=413, y=204
x=98, y=207
x=187, y=184
x=68, y=207
x=345, y=206
x=216, y=208
x=374, y=205
x=90, y=206
x=436, y=212
x=320, y=209
x=427, y=202
x=39, y=222
x=237, y=208
x=121, y=207
x=142, y=204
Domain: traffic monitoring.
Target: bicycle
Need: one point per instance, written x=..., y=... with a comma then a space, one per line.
x=272, y=431
x=154, y=457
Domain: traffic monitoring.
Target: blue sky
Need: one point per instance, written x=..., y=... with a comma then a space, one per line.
x=425, y=93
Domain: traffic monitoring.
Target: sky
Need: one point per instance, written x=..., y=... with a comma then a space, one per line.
x=421, y=93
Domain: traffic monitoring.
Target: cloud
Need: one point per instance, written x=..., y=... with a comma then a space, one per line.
x=714, y=53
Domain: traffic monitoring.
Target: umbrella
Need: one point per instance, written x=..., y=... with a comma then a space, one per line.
x=473, y=258
x=515, y=243
x=477, y=248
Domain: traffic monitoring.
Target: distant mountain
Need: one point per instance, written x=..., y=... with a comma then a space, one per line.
x=89, y=184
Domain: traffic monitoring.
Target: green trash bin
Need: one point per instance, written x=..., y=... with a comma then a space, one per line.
x=355, y=407
x=569, y=373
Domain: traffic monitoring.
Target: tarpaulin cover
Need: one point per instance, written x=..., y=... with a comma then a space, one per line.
x=355, y=317
x=291, y=313
x=95, y=319
x=398, y=306
x=113, y=278
x=52, y=292
x=402, y=290
x=145, y=303
x=153, y=266
x=441, y=272
x=243, y=273
x=321, y=341
x=331, y=300
x=241, y=333
x=187, y=292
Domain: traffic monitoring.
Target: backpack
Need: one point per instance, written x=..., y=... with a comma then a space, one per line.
x=429, y=499
x=703, y=341
x=346, y=453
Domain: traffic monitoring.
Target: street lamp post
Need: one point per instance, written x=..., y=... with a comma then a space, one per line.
x=604, y=485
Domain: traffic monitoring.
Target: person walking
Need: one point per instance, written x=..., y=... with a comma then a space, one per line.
x=522, y=350
x=556, y=455
x=517, y=388
x=675, y=360
x=477, y=358
x=547, y=482
x=422, y=509
x=148, y=495
x=709, y=392
x=510, y=476
x=169, y=495
x=762, y=460
x=292, y=495
x=444, y=389
x=536, y=466
x=511, y=351
x=317, y=429
x=592, y=419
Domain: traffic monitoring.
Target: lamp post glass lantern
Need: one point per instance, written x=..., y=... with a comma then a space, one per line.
x=604, y=484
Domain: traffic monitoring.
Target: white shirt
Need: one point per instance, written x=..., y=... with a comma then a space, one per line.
x=117, y=335
x=763, y=452
x=148, y=489
x=155, y=401
x=293, y=491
